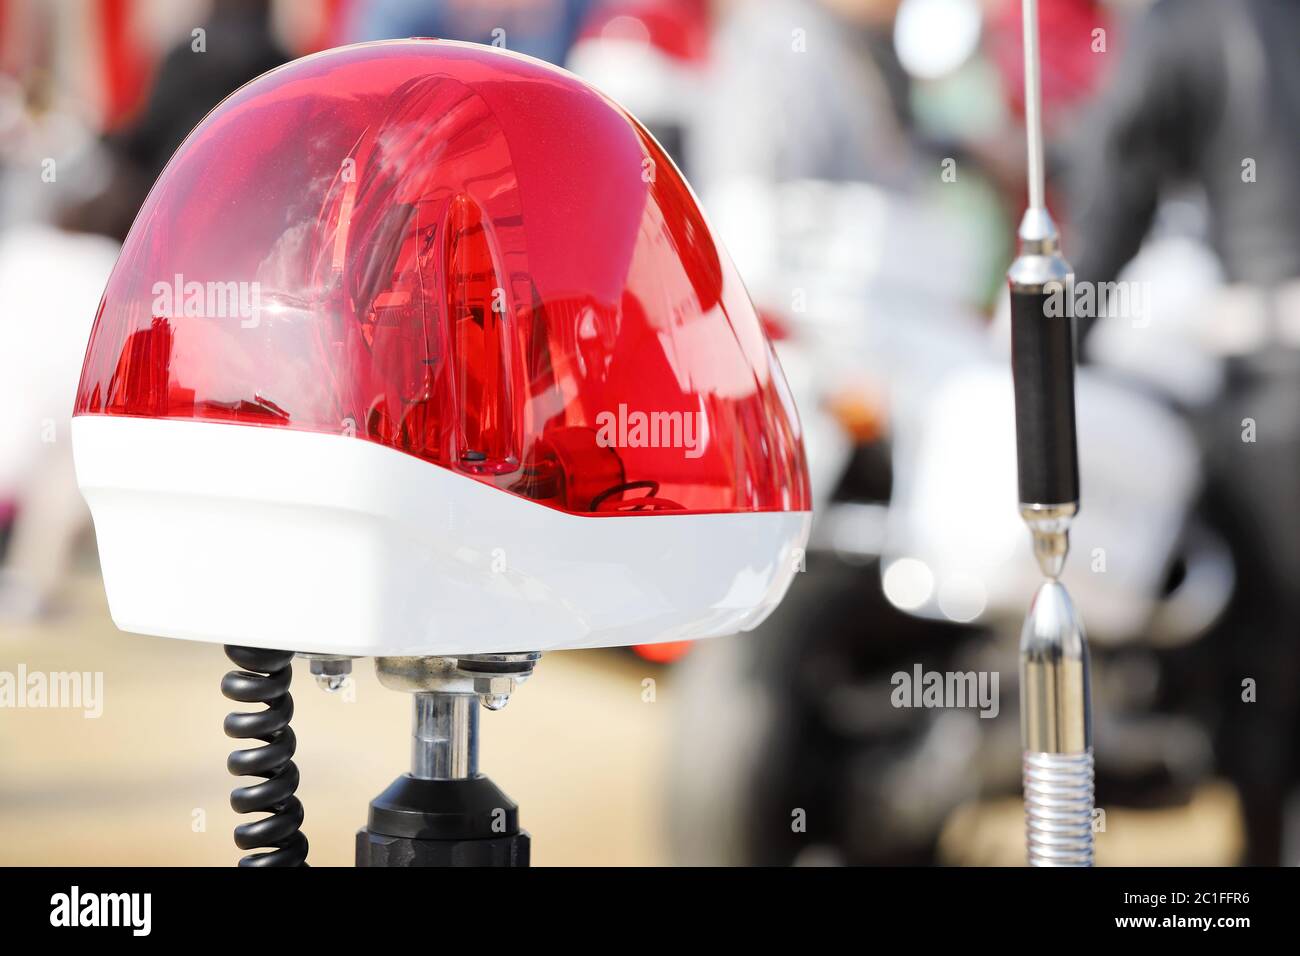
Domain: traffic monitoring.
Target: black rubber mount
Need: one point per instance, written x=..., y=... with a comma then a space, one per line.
x=442, y=823
x=1042, y=367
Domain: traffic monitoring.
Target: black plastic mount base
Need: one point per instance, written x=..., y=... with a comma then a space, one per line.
x=442, y=823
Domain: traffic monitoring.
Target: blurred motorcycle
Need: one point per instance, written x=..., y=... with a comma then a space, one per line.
x=918, y=560
x=872, y=296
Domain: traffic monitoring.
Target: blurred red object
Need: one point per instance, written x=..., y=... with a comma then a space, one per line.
x=665, y=653
x=678, y=28
x=1072, y=68
x=127, y=63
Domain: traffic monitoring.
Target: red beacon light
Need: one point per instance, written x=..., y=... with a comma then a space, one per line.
x=422, y=347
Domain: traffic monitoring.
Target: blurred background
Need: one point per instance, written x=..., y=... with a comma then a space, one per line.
x=863, y=160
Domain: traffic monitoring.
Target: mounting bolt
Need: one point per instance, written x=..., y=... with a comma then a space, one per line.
x=494, y=677
x=332, y=673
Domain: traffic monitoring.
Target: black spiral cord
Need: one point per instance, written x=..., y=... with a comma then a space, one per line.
x=264, y=679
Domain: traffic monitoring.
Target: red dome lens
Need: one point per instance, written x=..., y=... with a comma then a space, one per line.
x=462, y=254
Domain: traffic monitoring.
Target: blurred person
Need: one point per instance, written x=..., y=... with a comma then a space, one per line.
x=1208, y=94
x=50, y=284
x=238, y=46
x=541, y=28
x=809, y=163
x=806, y=89
x=838, y=212
x=51, y=278
x=813, y=91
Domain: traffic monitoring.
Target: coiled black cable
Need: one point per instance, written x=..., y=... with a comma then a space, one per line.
x=264, y=679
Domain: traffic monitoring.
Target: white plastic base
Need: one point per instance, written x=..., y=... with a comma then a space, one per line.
x=273, y=538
